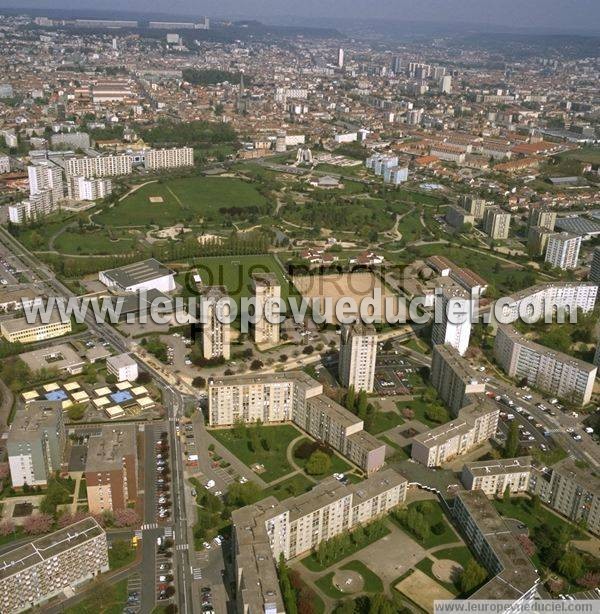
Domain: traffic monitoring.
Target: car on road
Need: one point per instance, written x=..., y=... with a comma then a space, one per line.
x=206, y=545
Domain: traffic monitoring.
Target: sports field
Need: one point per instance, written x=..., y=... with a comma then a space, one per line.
x=422, y=590
x=189, y=199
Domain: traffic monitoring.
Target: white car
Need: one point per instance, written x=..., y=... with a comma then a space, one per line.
x=206, y=545
x=210, y=484
x=243, y=479
x=218, y=493
x=218, y=541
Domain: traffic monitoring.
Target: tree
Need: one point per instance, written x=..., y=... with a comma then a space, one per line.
x=350, y=398
x=511, y=446
x=199, y=382
x=7, y=527
x=361, y=405
x=37, y=524
x=506, y=494
x=571, y=565
x=436, y=413
x=345, y=607
x=319, y=463
x=240, y=495
x=472, y=576
x=256, y=364
x=126, y=517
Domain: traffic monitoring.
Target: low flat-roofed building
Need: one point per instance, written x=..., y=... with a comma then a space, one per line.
x=61, y=357
x=514, y=577
x=15, y=300
x=19, y=330
x=148, y=274
x=44, y=568
x=111, y=468
x=123, y=366
x=494, y=476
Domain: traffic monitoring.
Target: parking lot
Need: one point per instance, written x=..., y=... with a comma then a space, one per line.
x=134, y=594
x=393, y=374
x=163, y=479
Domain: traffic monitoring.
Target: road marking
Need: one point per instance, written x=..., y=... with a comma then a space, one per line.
x=182, y=546
x=149, y=525
x=197, y=573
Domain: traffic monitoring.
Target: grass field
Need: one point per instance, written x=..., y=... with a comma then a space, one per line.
x=419, y=407
x=585, y=154
x=292, y=487
x=189, y=199
x=271, y=451
x=104, y=599
x=235, y=273
x=372, y=582
x=384, y=421
x=95, y=242
x=434, y=517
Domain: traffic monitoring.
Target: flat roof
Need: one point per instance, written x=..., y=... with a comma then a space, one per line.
x=43, y=548
x=37, y=415
x=587, y=477
x=107, y=448
x=137, y=272
x=18, y=324
x=121, y=361
x=61, y=356
x=265, y=378
x=499, y=466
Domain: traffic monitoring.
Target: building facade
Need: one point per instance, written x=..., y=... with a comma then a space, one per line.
x=177, y=157
x=100, y=166
x=449, y=326
x=19, y=330
x=44, y=568
x=496, y=223
x=562, y=250
x=551, y=371
x=216, y=330
x=267, y=291
x=358, y=354
x=494, y=476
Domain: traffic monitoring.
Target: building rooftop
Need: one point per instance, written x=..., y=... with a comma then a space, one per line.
x=121, y=361
x=587, y=477
x=39, y=415
x=517, y=574
x=60, y=357
x=527, y=292
x=108, y=447
x=499, y=466
x=41, y=549
x=19, y=324
x=265, y=279
x=137, y=273
x=298, y=377
x=460, y=367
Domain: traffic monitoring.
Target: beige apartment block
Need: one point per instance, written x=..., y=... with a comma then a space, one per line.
x=266, y=289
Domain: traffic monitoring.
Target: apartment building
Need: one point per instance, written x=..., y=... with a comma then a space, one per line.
x=448, y=153
x=35, y=443
x=4, y=165
x=294, y=397
x=19, y=330
x=475, y=423
x=358, y=354
x=111, y=468
x=472, y=205
x=269, y=529
x=551, y=371
x=452, y=319
x=496, y=223
x=570, y=490
x=562, y=251
x=595, y=268
x=99, y=166
x=33, y=208
x=537, y=240
x=216, y=330
x=513, y=576
x=494, y=476
x=453, y=378
x=395, y=175
x=458, y=217
x=123, y=366
x=551, y=298
x=544, y=218
x=267, y=291
x=50, y=565
x=88, y=189
x=46, y=177
x=177, y=157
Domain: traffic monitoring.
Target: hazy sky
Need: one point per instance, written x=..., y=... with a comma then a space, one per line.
x=555, y=14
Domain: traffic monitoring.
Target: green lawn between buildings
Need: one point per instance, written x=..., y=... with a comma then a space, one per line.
x=274, y=441
x=104, y=599
x=187, y=199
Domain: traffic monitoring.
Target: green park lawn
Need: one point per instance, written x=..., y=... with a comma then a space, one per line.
x=434, y=517
x=104, y=599
x=419, y=407
x=292, y=487
x=93, y=242
x=384, y=421
x=188, y=199
x=273, y=443
x=325, y=584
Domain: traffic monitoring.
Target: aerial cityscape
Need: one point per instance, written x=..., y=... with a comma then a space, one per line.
x=299, y=307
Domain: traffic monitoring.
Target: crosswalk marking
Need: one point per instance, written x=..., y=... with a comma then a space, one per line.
x=168, y=531
x=149, y=525
x=182, y=547
x=197, y=573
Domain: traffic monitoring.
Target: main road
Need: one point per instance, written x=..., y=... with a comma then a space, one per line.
x=173, y=400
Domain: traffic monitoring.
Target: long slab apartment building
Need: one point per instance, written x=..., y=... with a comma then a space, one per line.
x=514, y=578
x=551, y=371
x=294, y=397
x=269, y=529
x=44, y=568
